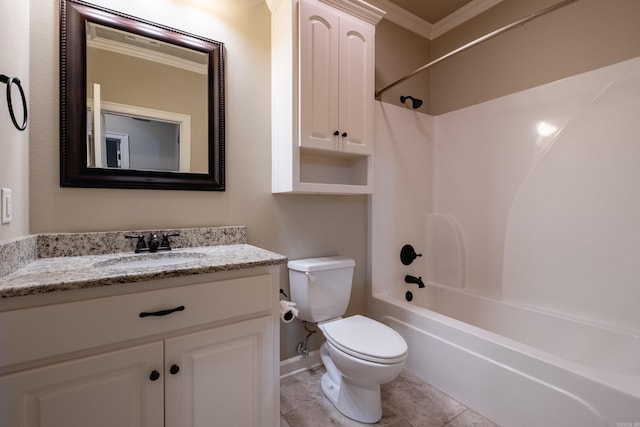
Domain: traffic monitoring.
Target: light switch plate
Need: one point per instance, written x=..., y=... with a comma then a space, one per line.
x=7, y=206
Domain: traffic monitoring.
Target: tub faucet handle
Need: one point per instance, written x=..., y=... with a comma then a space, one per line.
x=408, y=254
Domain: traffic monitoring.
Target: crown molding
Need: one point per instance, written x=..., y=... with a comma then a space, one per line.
x=146, y=54
x=413, y=23
x=404, y=18
x=460, y=16
x=373, y=10
x=359, y=8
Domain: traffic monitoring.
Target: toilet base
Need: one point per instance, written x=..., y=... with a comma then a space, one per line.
x=360, y=403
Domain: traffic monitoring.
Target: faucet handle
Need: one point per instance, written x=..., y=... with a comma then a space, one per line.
x=408, y=254
x=165, y=243
x=140, y=244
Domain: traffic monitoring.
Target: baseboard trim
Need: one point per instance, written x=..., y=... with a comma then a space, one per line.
x=298, y=364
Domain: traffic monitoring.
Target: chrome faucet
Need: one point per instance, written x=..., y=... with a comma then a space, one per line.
x=415, y=280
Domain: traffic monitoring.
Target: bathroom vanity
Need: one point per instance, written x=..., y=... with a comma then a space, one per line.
x=148, y=339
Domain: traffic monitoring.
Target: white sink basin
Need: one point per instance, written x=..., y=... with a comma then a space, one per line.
x=163, y=259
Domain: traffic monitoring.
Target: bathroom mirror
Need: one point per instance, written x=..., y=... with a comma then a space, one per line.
x=141, y=104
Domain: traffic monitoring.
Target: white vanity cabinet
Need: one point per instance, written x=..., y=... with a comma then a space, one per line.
x=211, y=360
x=108, y=389
x=221, y=376
x=323, y=95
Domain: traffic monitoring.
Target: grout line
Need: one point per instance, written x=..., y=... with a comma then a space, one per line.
x=456, y=416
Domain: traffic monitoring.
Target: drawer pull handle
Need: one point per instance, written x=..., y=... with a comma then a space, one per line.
x=174, y=369
x=162, y=312
x=154, y=375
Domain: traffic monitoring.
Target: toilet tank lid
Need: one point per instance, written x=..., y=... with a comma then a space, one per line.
x=321, y=263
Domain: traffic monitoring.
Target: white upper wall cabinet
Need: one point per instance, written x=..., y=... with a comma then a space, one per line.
x=336, y=79
x=323, y=94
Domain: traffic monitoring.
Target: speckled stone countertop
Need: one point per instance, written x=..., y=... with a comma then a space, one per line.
x=63, y=273
x=58, y=273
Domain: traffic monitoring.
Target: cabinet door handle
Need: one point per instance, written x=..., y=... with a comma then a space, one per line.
x=344, y=134
x=154, y=375
x=174, y=369
x=336, y=133
x=162, y=312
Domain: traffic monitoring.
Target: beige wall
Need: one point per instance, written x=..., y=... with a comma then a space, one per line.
x=398, y=52
x=294, y=225
x=580, y=37
x=14, y=144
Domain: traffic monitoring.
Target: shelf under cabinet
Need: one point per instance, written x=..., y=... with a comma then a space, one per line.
x=329, y=173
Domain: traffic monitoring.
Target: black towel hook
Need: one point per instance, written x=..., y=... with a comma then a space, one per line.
x=11, y=81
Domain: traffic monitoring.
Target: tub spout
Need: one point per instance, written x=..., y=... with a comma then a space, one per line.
x=416, y=280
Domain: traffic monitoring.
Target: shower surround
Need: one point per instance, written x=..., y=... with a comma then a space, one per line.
x=530, y=200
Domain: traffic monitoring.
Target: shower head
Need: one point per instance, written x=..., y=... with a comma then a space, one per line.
x=415, y=102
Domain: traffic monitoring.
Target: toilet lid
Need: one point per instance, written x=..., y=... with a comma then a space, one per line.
x=366, y=339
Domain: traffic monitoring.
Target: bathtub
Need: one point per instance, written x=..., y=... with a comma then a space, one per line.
x=514, y=365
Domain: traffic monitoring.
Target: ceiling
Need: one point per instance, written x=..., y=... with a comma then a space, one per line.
x=431, y=11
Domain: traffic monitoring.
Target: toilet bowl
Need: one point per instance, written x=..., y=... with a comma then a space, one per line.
x=360, y=353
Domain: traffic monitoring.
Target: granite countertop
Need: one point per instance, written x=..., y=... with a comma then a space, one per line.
x=45, y=275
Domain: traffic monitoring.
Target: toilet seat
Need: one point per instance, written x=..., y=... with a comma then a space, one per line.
x=366, y=339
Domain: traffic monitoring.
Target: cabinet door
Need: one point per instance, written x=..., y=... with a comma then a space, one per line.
x=106, y=390
x=356, y=86
x=319, y=78
x=222, y=376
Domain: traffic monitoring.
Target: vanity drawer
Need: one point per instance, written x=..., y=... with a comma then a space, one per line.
x=51, y=330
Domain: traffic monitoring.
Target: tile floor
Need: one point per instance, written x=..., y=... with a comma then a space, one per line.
x=406, y=402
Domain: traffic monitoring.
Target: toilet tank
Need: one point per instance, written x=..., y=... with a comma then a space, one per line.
x=321, y=287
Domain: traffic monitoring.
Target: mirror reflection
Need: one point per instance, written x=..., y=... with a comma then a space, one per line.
x=131, y=123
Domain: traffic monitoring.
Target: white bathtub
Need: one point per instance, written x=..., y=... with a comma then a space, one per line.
x=517, y=366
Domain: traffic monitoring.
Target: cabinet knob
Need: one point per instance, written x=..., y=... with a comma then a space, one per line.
x=154, y=375
x=174, y=369
x=344, y=134
x=336, y=133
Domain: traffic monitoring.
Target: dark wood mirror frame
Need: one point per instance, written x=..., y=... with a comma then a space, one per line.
x=73, y=101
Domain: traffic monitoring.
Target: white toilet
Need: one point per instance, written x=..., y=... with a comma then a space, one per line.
x=359, y=353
